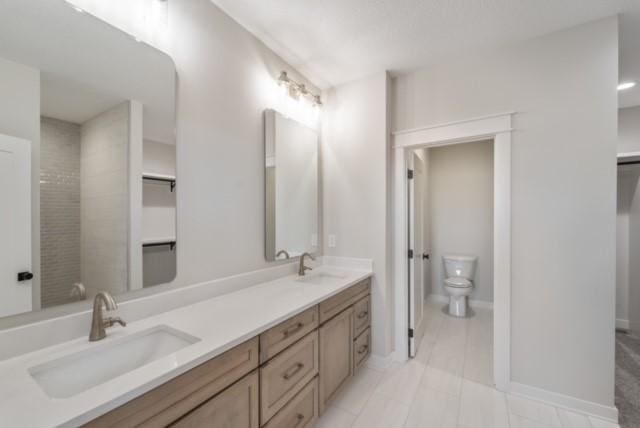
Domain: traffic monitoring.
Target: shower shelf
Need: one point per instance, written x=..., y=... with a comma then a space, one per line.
x=171, y=179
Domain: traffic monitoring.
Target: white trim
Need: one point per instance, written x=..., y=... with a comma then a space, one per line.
x=457, y=122
x=609, y=413
x=623, y=324
x=347, y=262
x=459, y=132
x=442, y=299
x=628, y=155
x=497, y=127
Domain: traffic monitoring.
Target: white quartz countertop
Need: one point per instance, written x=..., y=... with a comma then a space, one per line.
x=220, y=323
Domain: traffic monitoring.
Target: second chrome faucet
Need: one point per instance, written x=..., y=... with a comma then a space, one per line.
x=303, y=269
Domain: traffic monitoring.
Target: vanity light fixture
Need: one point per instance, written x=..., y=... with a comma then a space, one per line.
x=297, y=90
x=626, y=85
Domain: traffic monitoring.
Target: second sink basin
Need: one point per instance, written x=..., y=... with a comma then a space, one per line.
x=321, y=278
x=75, y=373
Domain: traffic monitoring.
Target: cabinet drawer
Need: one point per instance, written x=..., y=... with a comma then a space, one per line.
x=284, y=375
x=362, y=311
x=336, y=304
x=284, y=334
x=236, y=407
x=361, y=348
x=179, y=396
x=301, y=411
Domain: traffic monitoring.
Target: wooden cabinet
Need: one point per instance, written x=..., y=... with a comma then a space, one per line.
x=170, y=401
x=236, y=407
x=336, y=355
x=361, y=348
x=285, y=375
x=283, y=378
x=301, y=411
x=285, y=334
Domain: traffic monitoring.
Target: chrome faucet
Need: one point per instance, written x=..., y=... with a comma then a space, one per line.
x=281, y=252
x=98, y=323
x=302, y=269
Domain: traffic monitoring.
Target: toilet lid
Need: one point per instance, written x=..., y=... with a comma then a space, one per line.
x=458, y=282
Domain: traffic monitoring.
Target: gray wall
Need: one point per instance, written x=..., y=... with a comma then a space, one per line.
x=460, y=196
x=104, y=191
x=563, y=87
x=59, y=209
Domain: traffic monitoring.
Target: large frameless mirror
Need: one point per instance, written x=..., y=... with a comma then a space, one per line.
x=94, y=187
x=291, y=187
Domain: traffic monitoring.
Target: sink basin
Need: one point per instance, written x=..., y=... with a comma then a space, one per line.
x=75, y=373
x=321, y=278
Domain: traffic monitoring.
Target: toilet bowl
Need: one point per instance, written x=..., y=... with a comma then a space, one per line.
x=458, y=283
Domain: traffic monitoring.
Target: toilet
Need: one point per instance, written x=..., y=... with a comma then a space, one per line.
x=458, y=283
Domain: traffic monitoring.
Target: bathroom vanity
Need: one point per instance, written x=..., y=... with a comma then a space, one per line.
x=271, y=354
x=283, y=377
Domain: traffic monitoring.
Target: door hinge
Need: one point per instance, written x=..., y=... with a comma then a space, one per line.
x=410, y=254
x=410, y=332
x=410, y=174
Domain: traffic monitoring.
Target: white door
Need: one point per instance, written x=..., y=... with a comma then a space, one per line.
x=416, y=251
x=15, y=225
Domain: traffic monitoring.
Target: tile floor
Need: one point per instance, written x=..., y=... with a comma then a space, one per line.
x=448, y=384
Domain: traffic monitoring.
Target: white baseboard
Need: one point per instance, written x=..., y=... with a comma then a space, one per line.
x=480, y=304
x=623, y=324
x=608, y=413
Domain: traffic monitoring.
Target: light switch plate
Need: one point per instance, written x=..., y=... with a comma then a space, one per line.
x=331, y=241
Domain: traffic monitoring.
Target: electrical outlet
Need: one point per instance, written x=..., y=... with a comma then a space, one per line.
x=331, y=242
x=314, y=239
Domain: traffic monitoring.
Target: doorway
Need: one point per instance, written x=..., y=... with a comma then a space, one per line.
x=498, y=128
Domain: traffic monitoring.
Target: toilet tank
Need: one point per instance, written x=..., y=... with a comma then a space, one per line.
x=458, y=265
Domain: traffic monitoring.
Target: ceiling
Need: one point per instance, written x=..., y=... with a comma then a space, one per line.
x=79, y=80
x=336, y=41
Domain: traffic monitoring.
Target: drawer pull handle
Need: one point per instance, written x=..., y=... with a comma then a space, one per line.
x=292, y=371
x=363, y=314
x=294, y=329
x=362, y=349
x=299, y=418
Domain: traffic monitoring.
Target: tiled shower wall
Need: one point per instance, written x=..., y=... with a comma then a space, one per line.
x=59, y=210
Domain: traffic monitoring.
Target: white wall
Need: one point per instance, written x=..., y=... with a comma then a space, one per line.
x=225, y=81
x=461, y=211
x=563, y=87
x=104, y=202
x=355, y=157
x=629, y=130
x=20, y=117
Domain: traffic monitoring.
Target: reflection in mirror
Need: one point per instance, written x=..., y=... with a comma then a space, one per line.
x=291, y=187
x=104, y=165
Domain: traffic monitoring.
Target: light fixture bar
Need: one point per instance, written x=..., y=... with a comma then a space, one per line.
x=297, y=90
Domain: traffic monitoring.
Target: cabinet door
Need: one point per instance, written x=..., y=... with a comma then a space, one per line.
x=236, y=407
x=336, y=355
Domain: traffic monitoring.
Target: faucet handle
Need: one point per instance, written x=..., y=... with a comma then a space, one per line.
x=110, y=321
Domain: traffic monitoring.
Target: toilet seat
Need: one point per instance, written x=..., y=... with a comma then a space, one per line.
x=458, y=282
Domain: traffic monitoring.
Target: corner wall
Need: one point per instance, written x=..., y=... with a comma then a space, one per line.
x=355, y=158
x=563, y=88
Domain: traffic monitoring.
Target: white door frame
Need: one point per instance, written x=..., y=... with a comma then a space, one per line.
x=496, y=127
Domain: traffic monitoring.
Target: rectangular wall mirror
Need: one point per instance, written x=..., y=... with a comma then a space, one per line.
x=97, y=205
x=291, y=187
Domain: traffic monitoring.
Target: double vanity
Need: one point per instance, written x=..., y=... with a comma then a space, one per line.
x=269, y=355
